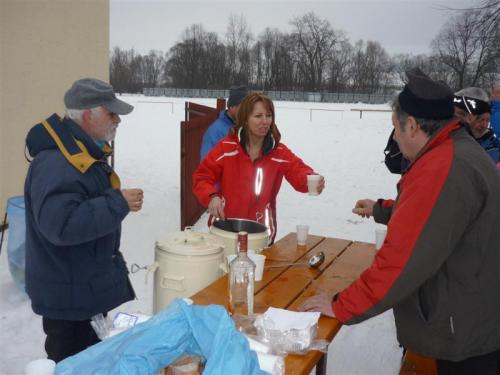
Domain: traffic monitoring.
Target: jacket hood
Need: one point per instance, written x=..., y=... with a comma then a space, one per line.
x=38, y=138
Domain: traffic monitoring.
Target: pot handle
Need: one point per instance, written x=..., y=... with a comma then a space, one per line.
x=151, y=268
x=172, y=282
x=223, y=267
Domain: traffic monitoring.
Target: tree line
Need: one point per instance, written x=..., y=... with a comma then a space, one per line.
x=313, y=56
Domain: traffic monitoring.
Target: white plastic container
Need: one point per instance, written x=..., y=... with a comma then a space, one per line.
x=258, y=236
x=186, y=262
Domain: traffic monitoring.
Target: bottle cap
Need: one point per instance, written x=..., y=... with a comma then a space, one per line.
x=243, y=241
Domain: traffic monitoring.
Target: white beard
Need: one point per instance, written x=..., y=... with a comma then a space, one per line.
x=110, y=135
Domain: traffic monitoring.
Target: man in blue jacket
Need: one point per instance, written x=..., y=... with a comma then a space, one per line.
x=473, y=109
x=220, y=127
x=74, y=210
x=495, y=109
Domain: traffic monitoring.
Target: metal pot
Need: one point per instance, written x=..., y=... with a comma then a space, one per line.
x=227, y=232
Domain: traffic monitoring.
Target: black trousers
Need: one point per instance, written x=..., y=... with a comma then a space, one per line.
x=66, y=337
x=487, y=364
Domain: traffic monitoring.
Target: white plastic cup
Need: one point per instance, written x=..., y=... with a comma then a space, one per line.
x=40, y=367
x=259, y=261
x=312, y=183
x=302, y=231
x=379, y=237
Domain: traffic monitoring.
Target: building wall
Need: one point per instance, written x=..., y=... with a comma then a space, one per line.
x=45, y=45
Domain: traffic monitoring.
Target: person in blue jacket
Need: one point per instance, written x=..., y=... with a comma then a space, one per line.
x=472, y=107
x=74, y=210
x=495, y=110
x=220, y=127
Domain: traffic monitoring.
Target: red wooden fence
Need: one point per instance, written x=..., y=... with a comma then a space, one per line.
x=197, y=119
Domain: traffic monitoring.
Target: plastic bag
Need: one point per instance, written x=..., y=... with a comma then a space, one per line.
x=206, y=331
x=16, y=243
x=280, y=341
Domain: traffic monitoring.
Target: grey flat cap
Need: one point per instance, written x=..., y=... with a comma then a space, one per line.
x=90, y=92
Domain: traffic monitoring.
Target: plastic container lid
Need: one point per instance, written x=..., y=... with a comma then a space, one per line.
x=190, y=243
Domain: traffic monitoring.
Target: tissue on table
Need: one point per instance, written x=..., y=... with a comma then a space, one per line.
x=287, y=331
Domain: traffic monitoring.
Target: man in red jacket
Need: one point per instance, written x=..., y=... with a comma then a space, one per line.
x=439, y=266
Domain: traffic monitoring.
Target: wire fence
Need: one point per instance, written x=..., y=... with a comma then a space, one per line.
x=299, y=96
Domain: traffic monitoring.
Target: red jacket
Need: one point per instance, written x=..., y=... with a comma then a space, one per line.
x=249, y=188
x=439, y=265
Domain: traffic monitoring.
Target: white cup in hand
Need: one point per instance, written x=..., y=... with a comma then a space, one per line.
x=379, y=237
x=312, y=183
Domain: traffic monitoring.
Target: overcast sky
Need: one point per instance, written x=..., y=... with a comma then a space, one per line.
x=401, y=26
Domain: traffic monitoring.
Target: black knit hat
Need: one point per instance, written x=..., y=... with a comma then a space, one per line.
x=425, y=98
x=236, y=95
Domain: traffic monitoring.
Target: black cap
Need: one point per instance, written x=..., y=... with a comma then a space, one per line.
x=426, y=98
x=473, y=100
x=90, y=92
x=236, y=95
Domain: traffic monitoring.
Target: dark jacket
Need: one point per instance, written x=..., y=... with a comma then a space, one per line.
x=439, y=265
x=74, y=268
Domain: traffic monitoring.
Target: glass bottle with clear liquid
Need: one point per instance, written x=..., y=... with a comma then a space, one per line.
x=241, y=279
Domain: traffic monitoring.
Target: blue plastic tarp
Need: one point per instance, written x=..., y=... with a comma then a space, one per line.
x=206, y=331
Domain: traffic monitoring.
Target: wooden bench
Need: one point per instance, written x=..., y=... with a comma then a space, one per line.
x=415, y=364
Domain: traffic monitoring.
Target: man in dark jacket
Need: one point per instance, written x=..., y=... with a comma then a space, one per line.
x=439, y=265
x=74, y=210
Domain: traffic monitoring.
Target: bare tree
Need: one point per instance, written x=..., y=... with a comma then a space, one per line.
x=186, y=58
x=467, y=49
x=315, y=40
x=124, y=70
x=339, y=67
x=152, y=66
x=272, y=61
x=239, y=38
x=370, y=68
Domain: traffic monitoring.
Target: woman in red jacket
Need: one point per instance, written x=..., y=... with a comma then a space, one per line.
x=241, y=176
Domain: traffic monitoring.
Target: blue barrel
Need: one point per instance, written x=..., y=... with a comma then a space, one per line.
x=16, y=243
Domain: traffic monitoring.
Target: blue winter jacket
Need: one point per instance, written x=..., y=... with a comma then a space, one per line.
x=74, y=269
x=215, y=132
x=495, y=117
x=490, y=144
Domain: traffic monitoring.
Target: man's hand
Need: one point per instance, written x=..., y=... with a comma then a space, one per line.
x=321, y=184
x=364, y=207
x=134, y=198
x=216, y=207
x=320, y=302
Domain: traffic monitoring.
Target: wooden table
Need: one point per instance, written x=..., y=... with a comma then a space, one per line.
x=286, y=287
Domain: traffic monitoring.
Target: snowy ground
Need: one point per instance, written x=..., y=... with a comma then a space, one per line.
x=345, y=149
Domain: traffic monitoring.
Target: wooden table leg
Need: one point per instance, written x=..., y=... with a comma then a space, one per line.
x=321, y=365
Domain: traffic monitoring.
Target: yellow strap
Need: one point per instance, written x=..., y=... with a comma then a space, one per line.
x=82, y=161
